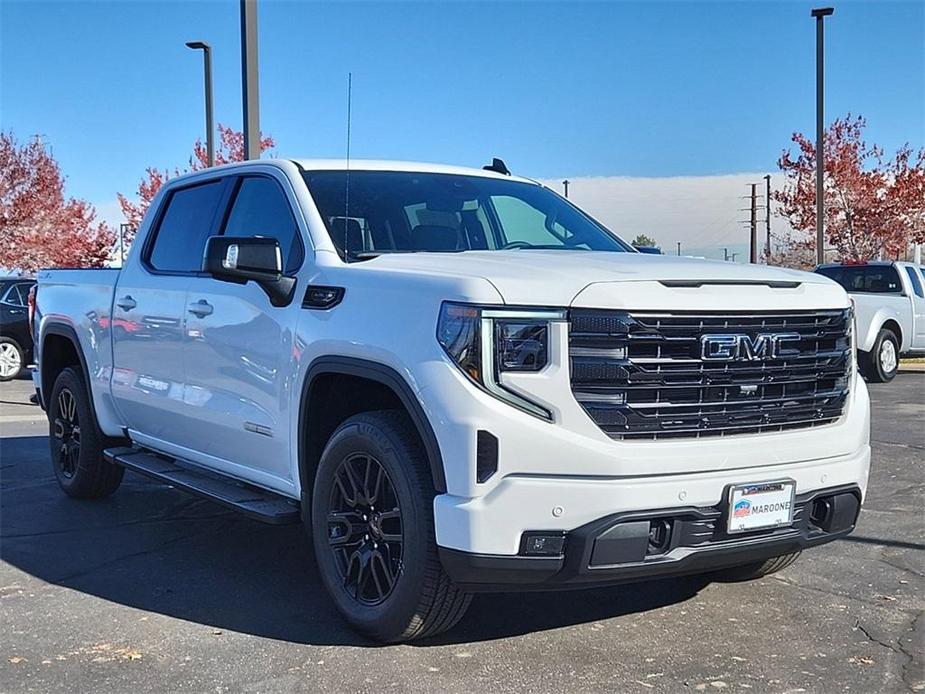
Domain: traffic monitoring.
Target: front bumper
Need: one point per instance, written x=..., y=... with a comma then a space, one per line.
x=618, y=549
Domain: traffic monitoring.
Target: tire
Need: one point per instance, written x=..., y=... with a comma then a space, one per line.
x=12, y=359
x=749, y=572
x=881, y=363
x=354, y=541
x=76, y=443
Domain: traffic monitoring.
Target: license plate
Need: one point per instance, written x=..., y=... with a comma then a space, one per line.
x=761, y=505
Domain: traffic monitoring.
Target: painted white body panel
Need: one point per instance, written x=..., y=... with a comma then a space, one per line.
x=247, y=362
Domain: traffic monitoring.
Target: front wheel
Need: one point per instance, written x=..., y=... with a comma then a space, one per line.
x=373, y=531
x=881, y=363
x=76, y=442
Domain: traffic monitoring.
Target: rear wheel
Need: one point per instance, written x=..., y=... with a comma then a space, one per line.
x=881, y=363
x=748, y=572
x=76, y=442
x=12, y=359
x=373, y=531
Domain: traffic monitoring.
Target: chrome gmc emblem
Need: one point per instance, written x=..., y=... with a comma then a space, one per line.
x=746, y=348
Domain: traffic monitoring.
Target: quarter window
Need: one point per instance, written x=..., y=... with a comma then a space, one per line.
x=181, y=236
x=261, y=209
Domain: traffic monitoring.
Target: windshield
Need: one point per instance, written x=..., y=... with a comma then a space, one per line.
x=400, y=212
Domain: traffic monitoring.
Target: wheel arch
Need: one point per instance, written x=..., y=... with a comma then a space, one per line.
x=60, y=349
x=386, y=387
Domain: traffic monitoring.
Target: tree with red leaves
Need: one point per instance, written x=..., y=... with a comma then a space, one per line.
x=230, y=149
x=872, y=205
x=39, y=226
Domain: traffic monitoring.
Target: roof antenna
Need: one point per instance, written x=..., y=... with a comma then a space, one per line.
x=497, y=165
x=347, y=173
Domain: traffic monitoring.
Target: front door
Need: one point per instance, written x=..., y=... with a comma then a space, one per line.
x=239, y=347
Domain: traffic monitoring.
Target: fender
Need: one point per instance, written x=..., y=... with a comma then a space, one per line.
x=865, y=342
x=389, y=377
x=66, y=331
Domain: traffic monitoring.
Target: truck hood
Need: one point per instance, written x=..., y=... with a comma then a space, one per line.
x=556, y=278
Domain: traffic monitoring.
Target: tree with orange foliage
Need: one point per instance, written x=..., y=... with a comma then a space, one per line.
x=39, y=226
x=872, y=205
x=230, y=149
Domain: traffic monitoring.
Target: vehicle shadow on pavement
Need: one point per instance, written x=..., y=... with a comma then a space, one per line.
x=153, y=548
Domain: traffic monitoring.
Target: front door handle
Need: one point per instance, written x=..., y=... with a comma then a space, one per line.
x=126, y=303
x=201, y=308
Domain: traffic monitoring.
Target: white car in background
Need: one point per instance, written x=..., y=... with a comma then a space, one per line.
x=889, y=300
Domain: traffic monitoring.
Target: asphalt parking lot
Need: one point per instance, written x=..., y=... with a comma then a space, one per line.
x=152, y=590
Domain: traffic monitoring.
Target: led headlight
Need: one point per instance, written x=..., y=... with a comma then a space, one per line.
x=486, y=342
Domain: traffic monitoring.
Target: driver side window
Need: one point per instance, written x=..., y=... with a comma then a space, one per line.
x=521, y=222
x=261, y=209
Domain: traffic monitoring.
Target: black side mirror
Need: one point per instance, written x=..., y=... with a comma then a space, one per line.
x=241, y=259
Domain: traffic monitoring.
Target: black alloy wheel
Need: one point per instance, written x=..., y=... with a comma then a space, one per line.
x=373, y=532
x=365, y=529
x=67, y=434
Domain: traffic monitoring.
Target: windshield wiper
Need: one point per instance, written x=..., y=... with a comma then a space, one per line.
x=366, y=255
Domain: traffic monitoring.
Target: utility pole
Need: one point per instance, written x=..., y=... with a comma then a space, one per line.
x=753, y=245
x=679, y=248
x=767, y=218
x=249, y=79
x=820, y=14
x=726, y=254
x=565, y=185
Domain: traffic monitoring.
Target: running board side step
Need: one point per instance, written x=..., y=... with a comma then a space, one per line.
x=257, y=504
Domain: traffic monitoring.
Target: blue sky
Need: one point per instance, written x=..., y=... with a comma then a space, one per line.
x=556, y=89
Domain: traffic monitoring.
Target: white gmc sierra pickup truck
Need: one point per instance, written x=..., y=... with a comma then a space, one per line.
x=459, y=382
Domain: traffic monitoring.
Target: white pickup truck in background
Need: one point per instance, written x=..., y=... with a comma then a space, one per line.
x=459, y=382
x=889, y=303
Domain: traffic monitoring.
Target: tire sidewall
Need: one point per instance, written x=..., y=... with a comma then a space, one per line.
x=883, y=375
x=20, y=352
x=365, y=434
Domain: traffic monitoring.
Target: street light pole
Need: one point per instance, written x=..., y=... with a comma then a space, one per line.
x=565, y=185
x=207, y=67
x=249, y=79
x=820, y=14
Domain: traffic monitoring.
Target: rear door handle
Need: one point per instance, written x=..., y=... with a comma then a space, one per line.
x=201, y=308
x=126, y=303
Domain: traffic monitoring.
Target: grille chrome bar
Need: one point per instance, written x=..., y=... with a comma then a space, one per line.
x=642, y=375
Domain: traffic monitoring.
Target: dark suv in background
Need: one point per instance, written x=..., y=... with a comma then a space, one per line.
x=15, y=337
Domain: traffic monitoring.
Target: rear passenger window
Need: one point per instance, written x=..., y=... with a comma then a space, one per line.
x=261, y=209
x=180, y=241
x=16, y=295
x=916, y=285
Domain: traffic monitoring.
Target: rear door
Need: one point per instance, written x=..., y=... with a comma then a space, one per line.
x=239, y=347
x=149, y=314
x=917, y=295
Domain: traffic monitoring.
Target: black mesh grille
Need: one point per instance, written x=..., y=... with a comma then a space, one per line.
x=643, y=375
